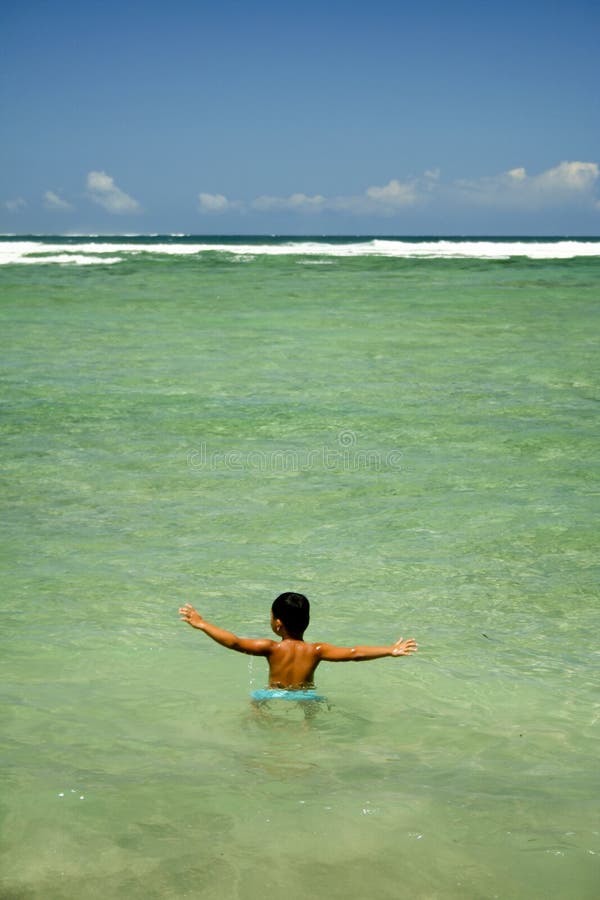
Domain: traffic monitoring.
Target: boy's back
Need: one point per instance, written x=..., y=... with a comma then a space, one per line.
x=292, y=664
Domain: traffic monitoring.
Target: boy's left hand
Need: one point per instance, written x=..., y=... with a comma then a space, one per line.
x=190, y=615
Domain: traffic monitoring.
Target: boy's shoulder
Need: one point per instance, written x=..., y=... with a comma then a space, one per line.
x=293, y=646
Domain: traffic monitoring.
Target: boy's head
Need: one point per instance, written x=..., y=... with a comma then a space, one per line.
x=293, y=611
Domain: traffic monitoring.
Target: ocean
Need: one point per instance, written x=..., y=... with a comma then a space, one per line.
x=405, y=430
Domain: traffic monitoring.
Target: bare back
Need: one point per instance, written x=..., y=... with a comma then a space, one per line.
x=292, y=664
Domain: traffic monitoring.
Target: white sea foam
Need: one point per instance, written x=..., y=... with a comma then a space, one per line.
x=106, y=251
x=79, y=259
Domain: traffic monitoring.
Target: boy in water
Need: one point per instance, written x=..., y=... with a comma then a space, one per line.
x=292, y=660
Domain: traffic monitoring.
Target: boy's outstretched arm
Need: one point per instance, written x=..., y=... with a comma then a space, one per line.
x=255, y=647
x=330, y=653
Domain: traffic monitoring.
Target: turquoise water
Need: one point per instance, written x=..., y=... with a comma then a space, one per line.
x=411, y=440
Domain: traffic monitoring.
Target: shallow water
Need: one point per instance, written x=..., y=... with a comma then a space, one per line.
x=410, y=442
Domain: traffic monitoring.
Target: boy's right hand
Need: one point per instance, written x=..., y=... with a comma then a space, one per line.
x=188, y=614
x=404, y=647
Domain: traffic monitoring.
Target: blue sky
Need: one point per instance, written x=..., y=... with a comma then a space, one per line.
x=307, y=118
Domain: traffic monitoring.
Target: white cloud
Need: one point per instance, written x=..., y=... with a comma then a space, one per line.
x=394, y=194
x=214, y=203
x=299, y=202
x=103, y=191
x=53, y=201
x=15, y=205
x=304, y=203
x=387, y=199
x=568, y=176
x=566, y=184
x=384, y=200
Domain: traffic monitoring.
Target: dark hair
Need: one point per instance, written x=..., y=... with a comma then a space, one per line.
x=293, y=610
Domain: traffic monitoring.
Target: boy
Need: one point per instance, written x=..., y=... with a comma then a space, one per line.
x=292, y=661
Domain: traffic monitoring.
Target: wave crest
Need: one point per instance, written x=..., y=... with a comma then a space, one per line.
x=91, y=251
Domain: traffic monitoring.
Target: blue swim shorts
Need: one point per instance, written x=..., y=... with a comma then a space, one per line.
x=282, y=694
